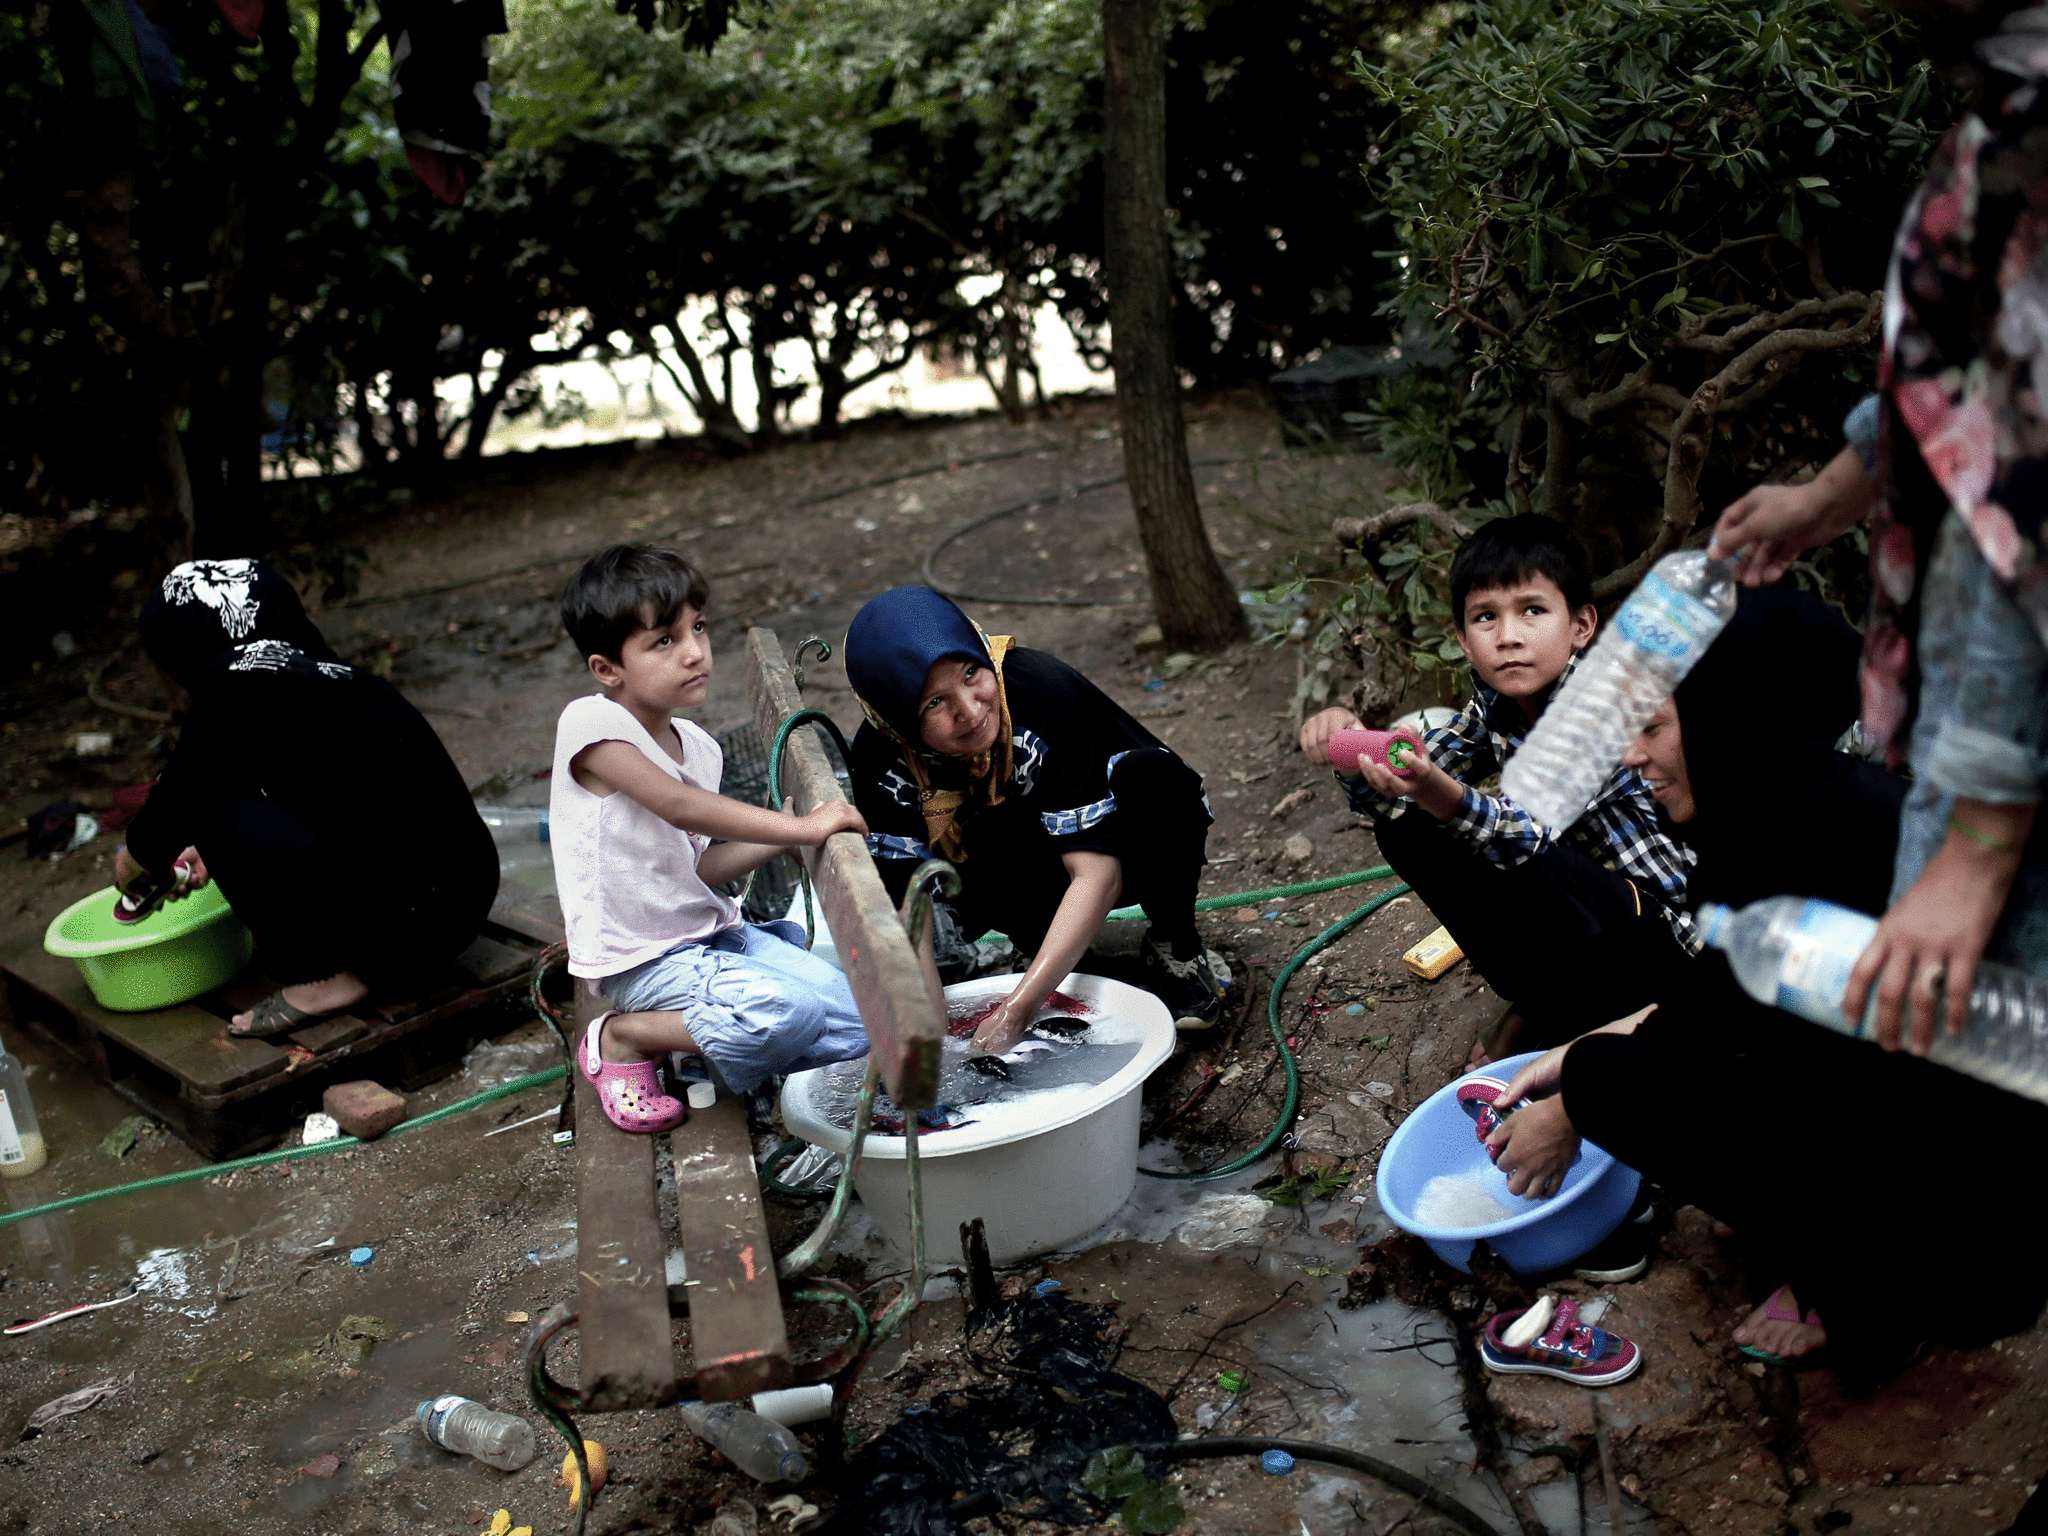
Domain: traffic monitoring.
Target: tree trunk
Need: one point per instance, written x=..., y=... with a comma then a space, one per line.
x=1196, y=607
x=517, y=362
x=118, y=285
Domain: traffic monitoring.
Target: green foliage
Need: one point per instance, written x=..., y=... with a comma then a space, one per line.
x=1296, y=1190
x=1149, y=1507
x=1611, y=205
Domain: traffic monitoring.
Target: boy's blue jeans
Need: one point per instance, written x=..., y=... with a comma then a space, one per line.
x=754, y=998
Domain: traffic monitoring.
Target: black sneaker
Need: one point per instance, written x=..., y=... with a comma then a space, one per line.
x=1624, y=1253
x=1189, y=988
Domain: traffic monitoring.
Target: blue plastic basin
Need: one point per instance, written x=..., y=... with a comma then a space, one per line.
x=1438, y=1138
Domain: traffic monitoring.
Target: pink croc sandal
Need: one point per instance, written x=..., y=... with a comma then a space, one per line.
x=629, y=1091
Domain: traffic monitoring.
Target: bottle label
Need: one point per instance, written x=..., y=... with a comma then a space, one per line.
x=10, y=1139
x=1820, y=952
x=434, y=1417
x=1665, y=622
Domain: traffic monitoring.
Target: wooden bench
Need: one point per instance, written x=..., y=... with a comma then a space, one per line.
x=733, y=1297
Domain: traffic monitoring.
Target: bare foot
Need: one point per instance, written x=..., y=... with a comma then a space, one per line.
x=1783, y=1336
x=1496, y=1040
x=642, y=1036
x=329, y=995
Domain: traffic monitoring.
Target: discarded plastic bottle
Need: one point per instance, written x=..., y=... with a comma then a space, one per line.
x=521, y=833
x=21, y=1135
x=514, y=824
x=1797, y=953
x=761, y=1448
x=1644, y=653
x=1390, y=749
x=468, y=1428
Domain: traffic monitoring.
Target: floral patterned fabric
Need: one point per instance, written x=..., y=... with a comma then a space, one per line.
x=1966, y=316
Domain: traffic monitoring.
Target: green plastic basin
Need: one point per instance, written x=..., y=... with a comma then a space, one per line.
x=180, y=950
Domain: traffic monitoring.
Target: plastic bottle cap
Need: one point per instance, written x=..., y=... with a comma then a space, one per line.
x=1046, y=1287
x=1279, y=1463
x=703, y=1095
x=359, y=1258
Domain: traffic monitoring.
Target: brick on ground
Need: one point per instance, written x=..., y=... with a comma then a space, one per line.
x=363, y=1109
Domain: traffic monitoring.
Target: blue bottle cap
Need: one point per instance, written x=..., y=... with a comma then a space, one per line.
x=359, y=1258
x=1047, y=1287
x=1279, y=1463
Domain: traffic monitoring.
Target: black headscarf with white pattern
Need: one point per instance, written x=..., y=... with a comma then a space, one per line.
x=212, y=617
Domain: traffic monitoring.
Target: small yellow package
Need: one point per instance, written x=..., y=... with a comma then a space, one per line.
x=1432, y=956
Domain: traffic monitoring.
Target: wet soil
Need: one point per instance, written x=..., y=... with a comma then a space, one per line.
x=234, y=1387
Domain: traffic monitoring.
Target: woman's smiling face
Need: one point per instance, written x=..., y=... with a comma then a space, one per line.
x=957, y=714
x=1658, y=754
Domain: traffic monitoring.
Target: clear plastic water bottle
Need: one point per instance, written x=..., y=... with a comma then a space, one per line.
x=1797, y=953
x=500, y=1440
x=1644, y=653
x=761, y=1448
x=21, y=1134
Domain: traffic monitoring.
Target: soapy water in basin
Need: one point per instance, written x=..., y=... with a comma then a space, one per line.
x=1053, y=1063
x=1451, y=1201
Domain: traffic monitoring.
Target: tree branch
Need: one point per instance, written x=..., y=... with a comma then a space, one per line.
x=1356, y=532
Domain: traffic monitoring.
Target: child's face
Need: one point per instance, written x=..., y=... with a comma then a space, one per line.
x=957, y=715
x=661, y=668
x=1520, y=637
x=1658, y=754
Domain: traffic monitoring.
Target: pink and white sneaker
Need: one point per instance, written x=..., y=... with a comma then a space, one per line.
x=629, y=1091
x=1549, y=1340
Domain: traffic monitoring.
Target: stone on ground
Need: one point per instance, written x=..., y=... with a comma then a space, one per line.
x=363, y=1109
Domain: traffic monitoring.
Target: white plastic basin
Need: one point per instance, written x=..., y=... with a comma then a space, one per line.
x=1036, y=1189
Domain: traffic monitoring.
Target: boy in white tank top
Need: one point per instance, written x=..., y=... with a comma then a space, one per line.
x=632, y=815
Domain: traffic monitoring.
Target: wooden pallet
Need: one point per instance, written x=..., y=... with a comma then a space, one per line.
x=225, y=1097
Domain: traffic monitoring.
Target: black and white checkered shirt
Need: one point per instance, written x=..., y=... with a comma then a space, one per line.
x=1619, y=829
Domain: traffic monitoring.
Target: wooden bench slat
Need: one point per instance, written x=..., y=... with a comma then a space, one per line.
x=628, y=1356
x=905, y=1020
x=737, y=1335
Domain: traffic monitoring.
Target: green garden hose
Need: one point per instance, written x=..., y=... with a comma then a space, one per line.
x=782, y=734
x=1292, y=1102
x=284, y=1154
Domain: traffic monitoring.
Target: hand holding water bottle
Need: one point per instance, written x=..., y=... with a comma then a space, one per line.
x=1768, y=527
x=1934, y=935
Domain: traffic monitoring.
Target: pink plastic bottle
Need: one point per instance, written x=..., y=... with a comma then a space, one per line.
x=1390, y=749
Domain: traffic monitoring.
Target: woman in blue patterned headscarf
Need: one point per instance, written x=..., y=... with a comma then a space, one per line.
x=1054, y=804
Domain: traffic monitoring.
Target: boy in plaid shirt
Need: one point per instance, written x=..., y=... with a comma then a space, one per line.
x=1570, y=930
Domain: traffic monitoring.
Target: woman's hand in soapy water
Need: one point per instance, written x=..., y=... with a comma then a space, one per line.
x=1536, y=1144
x=1534, y=1147
x=1004, y=1027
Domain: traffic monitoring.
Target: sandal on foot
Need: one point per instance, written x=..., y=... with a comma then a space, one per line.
x=629, y=1092
x=275, y=1016
x=1776, y=1310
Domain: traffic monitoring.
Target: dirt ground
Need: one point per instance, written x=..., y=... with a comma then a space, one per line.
x=244, y=1401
